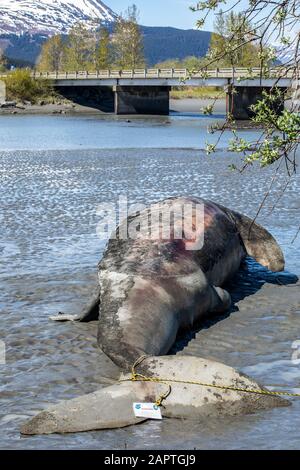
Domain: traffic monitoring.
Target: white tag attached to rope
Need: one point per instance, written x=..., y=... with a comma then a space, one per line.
x=147, y=410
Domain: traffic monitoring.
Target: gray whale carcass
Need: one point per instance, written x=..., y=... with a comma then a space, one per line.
x=150, y=289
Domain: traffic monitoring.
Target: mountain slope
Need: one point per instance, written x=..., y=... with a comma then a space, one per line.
x=26, y=24
x=163, y=43
x=160, y=44
x=49, y=16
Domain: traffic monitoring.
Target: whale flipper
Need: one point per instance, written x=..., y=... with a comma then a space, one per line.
x=89, y=313
x=221, y=300
x=258, y=242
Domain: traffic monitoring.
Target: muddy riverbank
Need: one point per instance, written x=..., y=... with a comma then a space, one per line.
x=184, y=105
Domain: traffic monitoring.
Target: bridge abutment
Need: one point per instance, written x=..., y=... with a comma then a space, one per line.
x=142, y=100
x=238, y=103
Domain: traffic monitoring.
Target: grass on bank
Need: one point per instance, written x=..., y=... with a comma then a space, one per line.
x=180, y=93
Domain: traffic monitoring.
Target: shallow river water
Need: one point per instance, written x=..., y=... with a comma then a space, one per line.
x=54, y=172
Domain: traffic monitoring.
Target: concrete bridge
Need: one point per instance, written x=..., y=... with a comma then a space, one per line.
x=146, y=91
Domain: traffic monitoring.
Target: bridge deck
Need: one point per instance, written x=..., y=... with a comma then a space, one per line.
x=146, y=91
x=183, y=74
x=170, y=77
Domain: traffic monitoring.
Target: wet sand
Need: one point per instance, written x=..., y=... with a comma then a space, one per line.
x=185, y=105
x=57, y=362
x=49, y=109
x=197, y=105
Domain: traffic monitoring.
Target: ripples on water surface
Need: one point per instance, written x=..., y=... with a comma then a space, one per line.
x=49, y=252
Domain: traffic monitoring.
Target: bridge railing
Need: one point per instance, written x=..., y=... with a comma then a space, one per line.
x=153, y=73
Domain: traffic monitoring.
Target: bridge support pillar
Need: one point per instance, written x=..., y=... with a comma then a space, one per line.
x=142, y=100
x=2, y=92
x=239, y=102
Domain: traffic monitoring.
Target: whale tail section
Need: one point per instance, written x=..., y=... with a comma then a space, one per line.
x=230, y=393
x=258, y=242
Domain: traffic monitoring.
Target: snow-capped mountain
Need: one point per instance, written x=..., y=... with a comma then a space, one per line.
x=286, y=55
x=49, y=16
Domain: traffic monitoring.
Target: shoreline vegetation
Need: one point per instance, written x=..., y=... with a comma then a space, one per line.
x=22, y=89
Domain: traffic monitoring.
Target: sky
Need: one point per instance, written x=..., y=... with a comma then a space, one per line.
x=162, y=12
x=174, y=13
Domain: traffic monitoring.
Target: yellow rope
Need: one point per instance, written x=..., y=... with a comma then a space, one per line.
x=136, y=377
x=142, y=378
